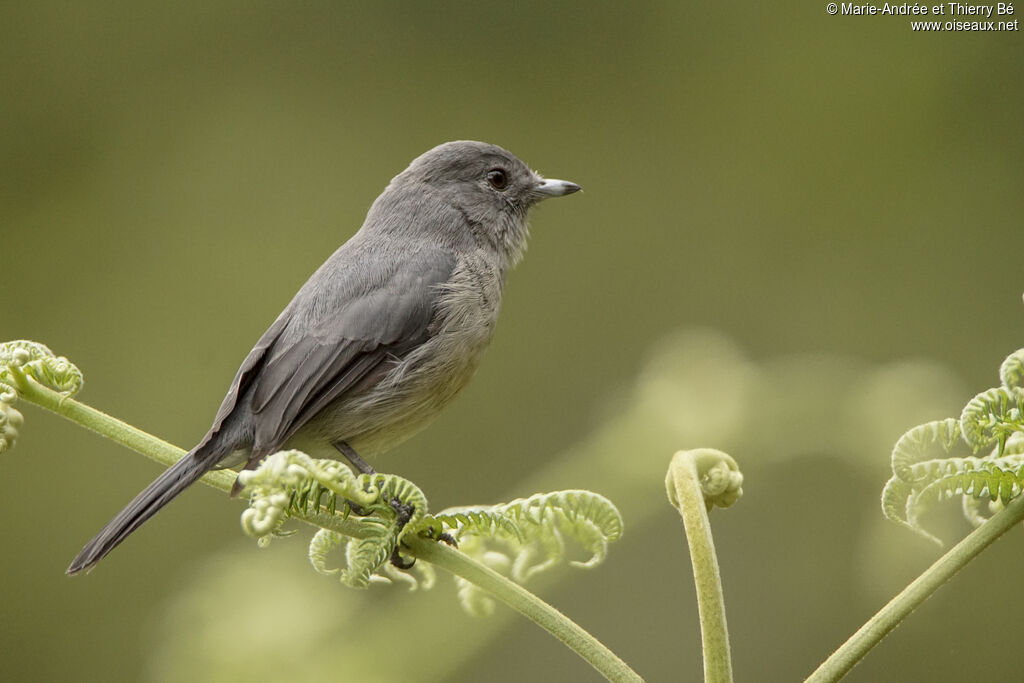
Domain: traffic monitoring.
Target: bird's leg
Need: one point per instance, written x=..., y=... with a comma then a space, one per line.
x=444, y=536
x=403, y=510
x=354, y=459
x=360, y=465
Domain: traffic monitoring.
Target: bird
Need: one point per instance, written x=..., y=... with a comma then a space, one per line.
x=381, y=337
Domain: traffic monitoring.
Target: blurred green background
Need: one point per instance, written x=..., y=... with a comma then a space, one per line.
x=801, y=234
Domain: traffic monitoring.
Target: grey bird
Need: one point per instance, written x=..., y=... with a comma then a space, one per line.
x=381, y=337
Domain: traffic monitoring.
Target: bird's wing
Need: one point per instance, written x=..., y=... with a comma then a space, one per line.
x=356, y=311
x=242, y=381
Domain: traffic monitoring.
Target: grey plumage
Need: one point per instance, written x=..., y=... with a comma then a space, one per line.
x=382, y=336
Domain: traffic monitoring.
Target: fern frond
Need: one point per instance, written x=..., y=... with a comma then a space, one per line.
x=981, y=478
x=972, y=510
x=894, y=501
x=20, y=359
x=917, y=445
x=291, y=482
x=364, y=557
x=11, y=418
x=388, y=489
x=526, y=537
x=39, y=362
x=992, y=416
x=523, y=537
x=1011, y=372
x=926, y=470
x=487, y=521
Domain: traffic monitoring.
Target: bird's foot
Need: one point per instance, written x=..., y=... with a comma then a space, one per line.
x=443, y=536
x=404, y=513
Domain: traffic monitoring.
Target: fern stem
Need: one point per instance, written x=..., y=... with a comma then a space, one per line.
x=105, y=425
x=687, y=495
x=527, y=604
x=890, y=616
x=152, y=447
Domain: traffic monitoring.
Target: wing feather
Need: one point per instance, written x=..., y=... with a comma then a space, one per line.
x=350, y=317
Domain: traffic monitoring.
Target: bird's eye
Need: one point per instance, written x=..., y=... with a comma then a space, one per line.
x=497, y=179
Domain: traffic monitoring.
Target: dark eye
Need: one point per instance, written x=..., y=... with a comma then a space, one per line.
x=497, y=178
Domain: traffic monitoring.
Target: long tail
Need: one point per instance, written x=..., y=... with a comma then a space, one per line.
x=176, y=479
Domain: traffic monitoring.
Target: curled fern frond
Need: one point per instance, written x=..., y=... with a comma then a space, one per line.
x=981, y=478
x=992, y=416
x=716, y=472
x=977, y=480
x=906, y=498
x=364, y=557
x=721, y=481
x=488, y=521
x=389, y=489
x=528, y=536
x=973, y=512
x=39, y=362
x=1011, y=372
x=292, y=482
x=10, y=420
x=917, y=445
x=8, y=394
x=894, y=501
x=421, y=576
x=523, y=537
x=926, y=469
x=22, y=358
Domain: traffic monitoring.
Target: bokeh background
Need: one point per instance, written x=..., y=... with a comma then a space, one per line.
x=800, y=235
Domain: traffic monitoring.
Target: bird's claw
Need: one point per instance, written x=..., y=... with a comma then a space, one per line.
x=403, y=512
x=398, y=561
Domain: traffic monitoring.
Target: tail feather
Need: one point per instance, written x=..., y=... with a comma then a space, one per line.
x=176, y=479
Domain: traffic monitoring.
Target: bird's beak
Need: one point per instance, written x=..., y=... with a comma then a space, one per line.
x=549, y=187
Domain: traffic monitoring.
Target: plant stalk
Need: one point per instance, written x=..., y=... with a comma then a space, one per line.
x=105, y=425
x=684, y=483
x=527, y=604
x=890, y=616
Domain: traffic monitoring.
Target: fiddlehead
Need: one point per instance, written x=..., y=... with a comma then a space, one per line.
x=928, y=468
x=22, y=361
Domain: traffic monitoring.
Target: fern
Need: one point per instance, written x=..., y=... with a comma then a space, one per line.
x=363, y=556
x=939, y=460
x=992, y=416
x=522, y=538
x=1011, y=372
x=526, y=537
x=19, y=361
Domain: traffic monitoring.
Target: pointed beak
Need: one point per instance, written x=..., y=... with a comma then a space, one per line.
x=549, y=187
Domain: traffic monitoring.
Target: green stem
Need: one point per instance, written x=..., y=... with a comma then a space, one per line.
x=121, y=432
x=150, y=446
x=544, y=615
x=890, y=616
x=685, y=491
x=527, y=604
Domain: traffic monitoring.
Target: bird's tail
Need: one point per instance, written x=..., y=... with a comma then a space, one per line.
x=176, y=479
